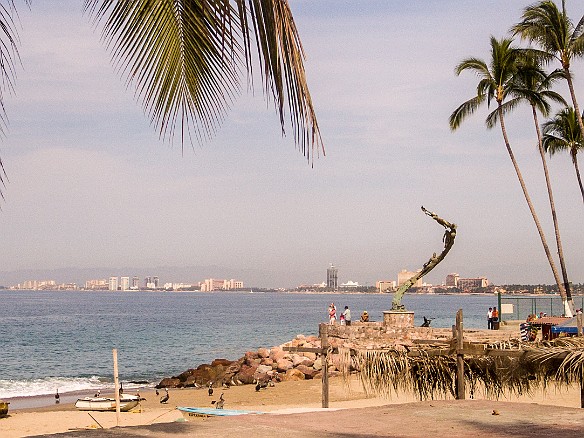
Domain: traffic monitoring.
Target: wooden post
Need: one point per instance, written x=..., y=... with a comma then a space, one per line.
x=323, y=329
x=459, y=357
x=579, y=323
x=116, y=386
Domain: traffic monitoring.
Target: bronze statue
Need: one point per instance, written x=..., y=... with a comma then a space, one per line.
x=448, y=239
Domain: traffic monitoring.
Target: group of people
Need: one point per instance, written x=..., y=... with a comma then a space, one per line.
x=492, y=318
x=345, y=316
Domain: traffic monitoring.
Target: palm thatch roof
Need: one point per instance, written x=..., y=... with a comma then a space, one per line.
x=510, y=367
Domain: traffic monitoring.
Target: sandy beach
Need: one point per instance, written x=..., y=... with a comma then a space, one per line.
x=298, y=404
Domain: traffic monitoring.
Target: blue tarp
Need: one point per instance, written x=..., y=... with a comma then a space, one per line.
x=569, y=327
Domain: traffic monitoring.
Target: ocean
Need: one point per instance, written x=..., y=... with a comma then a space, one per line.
x=54, y=339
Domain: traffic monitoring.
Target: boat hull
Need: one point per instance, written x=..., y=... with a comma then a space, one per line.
x=106, y=404
x=190, y=413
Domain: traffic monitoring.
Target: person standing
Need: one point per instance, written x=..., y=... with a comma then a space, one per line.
x=332, y=314
x=347, y=315
x=490, y=319
x=495, y=318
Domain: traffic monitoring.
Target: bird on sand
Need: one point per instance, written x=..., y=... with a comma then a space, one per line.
x=261, y=385
x=210, y=388
x=98, y=393
x=157, y=393
x=219, y=403
x=57, y=397
x=164, y=398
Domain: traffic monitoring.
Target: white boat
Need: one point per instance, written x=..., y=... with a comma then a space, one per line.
x=127, y=402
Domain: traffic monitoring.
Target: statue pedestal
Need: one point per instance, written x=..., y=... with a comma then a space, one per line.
x=396, y=319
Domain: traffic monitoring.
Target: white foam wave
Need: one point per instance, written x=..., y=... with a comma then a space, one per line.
x=48, y=385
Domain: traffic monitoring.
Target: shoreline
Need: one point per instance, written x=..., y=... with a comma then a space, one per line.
x=292, y=397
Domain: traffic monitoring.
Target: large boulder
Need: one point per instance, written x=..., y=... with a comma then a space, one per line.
x=169, y=382
x=317, y=365
x=293, y=374
x=284, y=365
x=308, y=372
x=246, y=374
x=277, y=353
x=263, y=353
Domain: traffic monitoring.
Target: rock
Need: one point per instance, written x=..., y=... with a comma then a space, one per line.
x=263, y=353
x=311, y=356
x=169, y=382
x=267, y=361
x=293, y=374
x=246, y=374
x=263, y=369
x=283, y=365
x=224, y=362
x=308, y=372
x=277, y=353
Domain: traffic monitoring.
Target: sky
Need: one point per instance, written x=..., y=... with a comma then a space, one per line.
x=91, y=185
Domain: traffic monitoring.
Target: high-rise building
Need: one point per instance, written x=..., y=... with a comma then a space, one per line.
x=385, y=285
x=332, y=275
x=135, y=283
x=452, y=280
x=125, y=283
x=405, y=275
x=113, y=283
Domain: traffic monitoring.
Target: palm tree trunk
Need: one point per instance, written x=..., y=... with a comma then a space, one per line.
x=575, y=162
x=568, y=304
x=574, y=101
x=531, y=208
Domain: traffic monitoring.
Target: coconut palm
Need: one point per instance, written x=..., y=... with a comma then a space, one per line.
x=531, y=84
x=496, y=82
x=562, y=133
x=185, y=58
x=553, y=31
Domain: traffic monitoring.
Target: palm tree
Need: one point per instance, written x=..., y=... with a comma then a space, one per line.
x=496, y=82
x=532, y=84
x=185, y=57
x=562, y=133
x=551, y=29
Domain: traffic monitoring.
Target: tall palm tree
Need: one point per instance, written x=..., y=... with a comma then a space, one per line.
x=562, y=133
x=185, y=58
x=553, y=31
x=531, y=84
x=496, y=83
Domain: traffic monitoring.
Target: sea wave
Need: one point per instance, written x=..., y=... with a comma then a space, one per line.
x=49, y=385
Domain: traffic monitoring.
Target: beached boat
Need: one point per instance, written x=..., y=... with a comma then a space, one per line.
x=212, y=412
x=127, y=402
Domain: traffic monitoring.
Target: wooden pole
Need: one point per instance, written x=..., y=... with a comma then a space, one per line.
x=459, y=357
x=116, y=386
x=323, y=329
x=579, y=323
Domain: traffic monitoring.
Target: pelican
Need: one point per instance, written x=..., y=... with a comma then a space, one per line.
x=164, y=398
x=157, y=393
x=57, y=397
x=219, y=404
x=210, y=388
x=98, y=393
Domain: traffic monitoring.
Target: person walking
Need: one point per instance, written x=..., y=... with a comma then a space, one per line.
x=347, y=315
x=490, y=319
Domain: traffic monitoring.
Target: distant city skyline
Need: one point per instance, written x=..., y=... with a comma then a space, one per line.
x=91, y=188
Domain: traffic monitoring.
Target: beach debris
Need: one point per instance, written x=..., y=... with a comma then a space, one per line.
x=495, y=412
x=164, y=398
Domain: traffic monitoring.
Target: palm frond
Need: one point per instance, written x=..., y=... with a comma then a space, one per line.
x=185, y=59
x=464, y=110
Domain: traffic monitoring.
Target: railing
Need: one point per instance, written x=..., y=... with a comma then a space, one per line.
x=524, y=306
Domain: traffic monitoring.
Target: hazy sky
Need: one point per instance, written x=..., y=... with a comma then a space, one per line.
x=91, y=185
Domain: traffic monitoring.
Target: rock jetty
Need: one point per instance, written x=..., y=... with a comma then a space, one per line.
x=262, y=366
